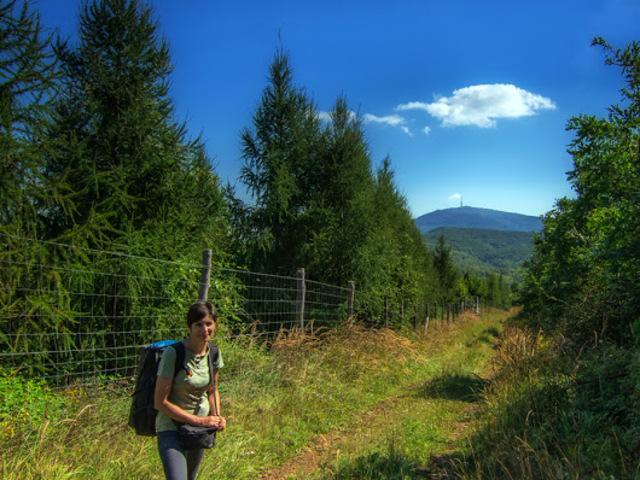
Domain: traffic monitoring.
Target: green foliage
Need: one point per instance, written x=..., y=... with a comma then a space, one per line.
x=318, y=204
x=130, y=175
x=99, y=164
x=583, y=277
x=29, y=77
x=482, y=252
x=339, y=187
x=278, y=153
x=447, y=272
x=37, y=403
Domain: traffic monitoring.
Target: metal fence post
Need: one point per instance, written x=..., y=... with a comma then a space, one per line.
x=302, y=289
x=205, y=278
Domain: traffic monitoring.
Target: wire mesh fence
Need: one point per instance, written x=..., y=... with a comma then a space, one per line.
x=71, y=314
x=73, y=319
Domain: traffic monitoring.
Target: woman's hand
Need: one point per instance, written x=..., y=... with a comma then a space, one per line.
x=222, y=423
x=213, y=421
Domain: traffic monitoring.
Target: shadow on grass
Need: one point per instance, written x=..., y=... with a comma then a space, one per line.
x=392, y=466
x=453, y=386
x=376, y=466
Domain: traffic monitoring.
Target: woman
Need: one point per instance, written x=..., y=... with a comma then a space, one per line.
x=189, y=397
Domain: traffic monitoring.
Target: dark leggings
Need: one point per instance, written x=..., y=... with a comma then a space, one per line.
x=178, y=464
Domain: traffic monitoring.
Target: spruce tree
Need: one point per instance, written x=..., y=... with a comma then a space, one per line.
x=28, y=77
x=277, y=152
x=446, y=270
x=132, y=175
x=341, y=199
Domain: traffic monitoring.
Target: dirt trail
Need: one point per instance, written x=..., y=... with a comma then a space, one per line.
x=328, y=446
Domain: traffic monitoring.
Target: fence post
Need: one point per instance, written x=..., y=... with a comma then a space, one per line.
x=386, y=311
x=478, y=306
x=426, y=320
x=302, y=289
x=352, y=296
x=205, y=278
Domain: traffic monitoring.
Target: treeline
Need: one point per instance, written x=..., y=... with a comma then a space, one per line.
x=92, y=155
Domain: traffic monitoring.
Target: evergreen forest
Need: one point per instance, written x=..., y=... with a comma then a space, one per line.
x=94, y=156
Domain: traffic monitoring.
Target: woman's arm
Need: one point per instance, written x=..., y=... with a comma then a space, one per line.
x=162, y=404
x=214, y=402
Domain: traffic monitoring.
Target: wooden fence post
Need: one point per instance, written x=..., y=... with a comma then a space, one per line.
x=205, y=277
x=386, y=311
x=302, y=290
x=352, y=296
x=426, y=320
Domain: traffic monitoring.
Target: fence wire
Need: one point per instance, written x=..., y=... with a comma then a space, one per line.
x=73, y=319
x=78, y=315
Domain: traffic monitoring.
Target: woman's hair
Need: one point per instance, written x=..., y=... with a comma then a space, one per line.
x=200, y=310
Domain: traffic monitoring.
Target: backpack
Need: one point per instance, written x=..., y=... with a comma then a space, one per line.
x=142, y=414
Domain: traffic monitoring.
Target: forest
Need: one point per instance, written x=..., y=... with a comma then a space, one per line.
x=92, y=155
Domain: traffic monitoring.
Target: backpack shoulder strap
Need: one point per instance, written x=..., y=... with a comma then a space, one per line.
x=180, y=355
x=214, y=351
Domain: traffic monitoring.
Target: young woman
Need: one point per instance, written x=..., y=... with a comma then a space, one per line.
x=189, y=397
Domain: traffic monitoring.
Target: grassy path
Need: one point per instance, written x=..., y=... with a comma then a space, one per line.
x=412, y=433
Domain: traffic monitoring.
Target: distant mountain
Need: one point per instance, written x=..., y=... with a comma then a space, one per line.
x=482, y=218
x=483, y=252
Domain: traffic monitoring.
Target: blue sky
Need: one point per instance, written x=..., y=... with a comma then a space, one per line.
x=469, y=98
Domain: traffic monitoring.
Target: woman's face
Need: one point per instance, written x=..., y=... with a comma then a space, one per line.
x=203, y=329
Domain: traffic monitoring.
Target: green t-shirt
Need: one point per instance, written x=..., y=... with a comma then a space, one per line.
x=188, y=392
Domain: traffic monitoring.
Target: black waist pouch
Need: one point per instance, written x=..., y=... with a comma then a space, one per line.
x=192, y=437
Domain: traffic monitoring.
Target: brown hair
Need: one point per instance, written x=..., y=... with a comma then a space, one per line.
x=200, y=310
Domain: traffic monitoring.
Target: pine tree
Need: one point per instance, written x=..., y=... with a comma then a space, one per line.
x=277, y=153
x=446, y=270
x=132, y=175
x=341, y=189
x=28, y=76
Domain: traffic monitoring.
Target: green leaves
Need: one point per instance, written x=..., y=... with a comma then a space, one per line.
x=585, y=271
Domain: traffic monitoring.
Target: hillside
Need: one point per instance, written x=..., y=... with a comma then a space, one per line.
x=482, y=252
x=481, y=218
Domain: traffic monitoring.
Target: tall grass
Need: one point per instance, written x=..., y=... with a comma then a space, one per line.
x=388, y=401
x=554, y=412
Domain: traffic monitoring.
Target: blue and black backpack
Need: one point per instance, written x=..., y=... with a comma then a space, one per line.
x=142, y=414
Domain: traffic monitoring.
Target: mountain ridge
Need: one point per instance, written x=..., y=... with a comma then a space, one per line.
x=479, y=218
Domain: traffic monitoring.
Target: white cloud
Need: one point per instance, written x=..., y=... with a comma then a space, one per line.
x=455, y=196
x=324, y=116
x=390, y=120
x=426, y=130
x=481, y=105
